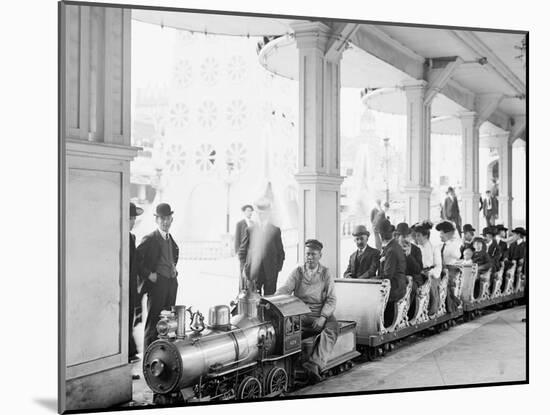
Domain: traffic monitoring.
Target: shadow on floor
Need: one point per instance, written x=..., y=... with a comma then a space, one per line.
x=48, y=403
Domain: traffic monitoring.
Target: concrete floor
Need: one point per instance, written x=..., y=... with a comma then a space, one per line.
x=492, y=348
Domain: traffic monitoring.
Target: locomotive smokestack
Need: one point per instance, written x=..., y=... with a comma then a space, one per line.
x=180, y=315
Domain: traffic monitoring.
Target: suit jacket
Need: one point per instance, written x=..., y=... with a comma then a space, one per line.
x=414, y=264
x=149, y=251
x=516, y=251
x=239, y=234
x=393, y=266
x=494, y=208
x=495, y=255
x=450, y=211
x=364, y=265
x=261, y=252
x=503, y=249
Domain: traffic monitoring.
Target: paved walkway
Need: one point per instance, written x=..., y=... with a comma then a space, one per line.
x=491, y=348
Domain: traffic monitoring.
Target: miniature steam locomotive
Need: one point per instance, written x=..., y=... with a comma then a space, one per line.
x=257, y=353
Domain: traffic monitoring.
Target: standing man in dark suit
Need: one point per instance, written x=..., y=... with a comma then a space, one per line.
x=413, y=257
x=240, y=231
x=489, y=208
x=261, y=252
x=242, y=225
x=450, y=210
x=393, y=266
x=134, y=298
x=364, y=262
x=158, y=274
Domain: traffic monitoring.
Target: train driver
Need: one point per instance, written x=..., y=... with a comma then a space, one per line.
x=313, y=284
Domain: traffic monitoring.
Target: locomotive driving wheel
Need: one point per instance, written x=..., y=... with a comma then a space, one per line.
x=277, y=380
x=249, y=388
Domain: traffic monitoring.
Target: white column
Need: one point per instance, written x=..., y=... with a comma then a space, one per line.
x=418, y=159
x=95, y=191
x=318, y=174
x=505, y=179
x=469, y=208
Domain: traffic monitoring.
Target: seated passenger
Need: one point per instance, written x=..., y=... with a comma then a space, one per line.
x=364, y=262
x=517, y=250
x=413, y=257
x=492, y=247
x=480, y=256
x=313, y=284
x=468, y=253
x=467, y=235
x=431, y=261
x=392, y=267
x=450, y=253
x=502, y=238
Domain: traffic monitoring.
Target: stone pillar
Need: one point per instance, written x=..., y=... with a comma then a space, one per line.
x=418, y=157
x=505, y=179
x=318, y=174
x=95, y=192
x=469, y=207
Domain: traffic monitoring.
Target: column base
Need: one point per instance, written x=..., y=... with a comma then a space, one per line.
x=417, y=203
x=100, y=390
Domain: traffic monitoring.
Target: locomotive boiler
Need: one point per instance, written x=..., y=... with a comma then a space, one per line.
x=243, y=357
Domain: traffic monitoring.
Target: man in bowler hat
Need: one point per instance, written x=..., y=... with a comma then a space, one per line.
x=134, y=300
x=468, y=233
x=158, y=275
x=364, y=262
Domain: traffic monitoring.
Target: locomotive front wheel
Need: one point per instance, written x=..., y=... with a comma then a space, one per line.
x=249, y=388
x=277, y=380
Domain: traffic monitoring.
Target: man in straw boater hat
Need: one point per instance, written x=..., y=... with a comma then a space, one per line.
x=134, y=297
x=313, y=284
x=261, y=252
x=364, y=262
x=158, y=275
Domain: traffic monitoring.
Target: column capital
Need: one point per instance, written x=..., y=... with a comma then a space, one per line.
x=467, y=115
x=315, y=178
x=412, y=84
x=311, y=35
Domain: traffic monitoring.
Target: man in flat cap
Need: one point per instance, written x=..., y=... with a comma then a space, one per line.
x=134, y=298
x=313, y=284
x=468, y=233
x=158, y=274
x=261, y=252
x=364, y=262
x=393, y=266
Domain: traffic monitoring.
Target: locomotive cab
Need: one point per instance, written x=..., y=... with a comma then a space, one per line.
x=284, y=312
